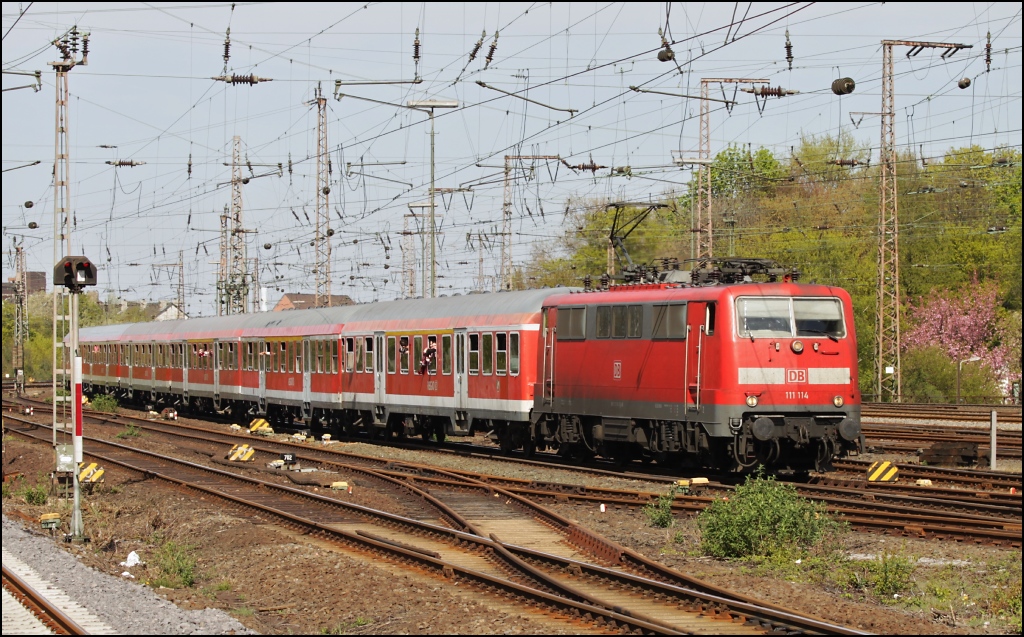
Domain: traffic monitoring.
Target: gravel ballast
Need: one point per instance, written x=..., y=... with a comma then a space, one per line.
x=128, y=607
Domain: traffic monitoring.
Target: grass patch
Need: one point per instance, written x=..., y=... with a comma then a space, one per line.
x=244, y=611
x=177, y=565
x=659, y=513
x=130, y=431
x=765, y=518
x=36, y=495
x=105, y=403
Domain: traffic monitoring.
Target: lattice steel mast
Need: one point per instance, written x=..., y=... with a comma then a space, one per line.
x=889, y=386
x=322, y=238
x=505, y=270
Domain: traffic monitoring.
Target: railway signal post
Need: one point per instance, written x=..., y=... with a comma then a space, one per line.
x=75, y=274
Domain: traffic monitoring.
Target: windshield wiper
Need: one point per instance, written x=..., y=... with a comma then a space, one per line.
x=832, y=337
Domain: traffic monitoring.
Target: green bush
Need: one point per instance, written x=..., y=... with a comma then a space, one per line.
x=177, y=563
x=890, y=573
x=659, y=513
x=763, y=518
x=105, y=403
x=130, y=431
x=36, y=495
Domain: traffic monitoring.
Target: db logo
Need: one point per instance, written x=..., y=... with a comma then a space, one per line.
x=796, y=375
x=617, y=370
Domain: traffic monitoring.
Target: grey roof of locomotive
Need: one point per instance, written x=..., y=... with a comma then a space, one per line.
x=470, y=305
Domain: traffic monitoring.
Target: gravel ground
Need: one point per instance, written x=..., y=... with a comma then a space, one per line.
x=129, y=608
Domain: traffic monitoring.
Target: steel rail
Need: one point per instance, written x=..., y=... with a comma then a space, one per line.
x=52, y=617
x=722, y=607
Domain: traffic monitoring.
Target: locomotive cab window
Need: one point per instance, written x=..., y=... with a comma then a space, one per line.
x=787, y=317
x=669, y=321
x=819, y=317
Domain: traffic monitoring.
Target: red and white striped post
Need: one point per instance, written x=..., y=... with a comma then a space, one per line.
x=77, y=525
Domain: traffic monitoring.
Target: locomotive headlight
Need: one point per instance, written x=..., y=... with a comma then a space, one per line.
x=751, y=401
x=838, y=401
x=798, y=346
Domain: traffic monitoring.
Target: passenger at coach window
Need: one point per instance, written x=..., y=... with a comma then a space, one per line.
x=403, y=345
x=429, y=355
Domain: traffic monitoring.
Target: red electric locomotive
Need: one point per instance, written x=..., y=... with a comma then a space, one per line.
x=708, y=370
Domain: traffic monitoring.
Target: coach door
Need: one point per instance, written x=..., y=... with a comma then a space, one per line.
x=461, y=384
x=548, y=363
x=307, y=381
x=379, y=371
x=696, y=335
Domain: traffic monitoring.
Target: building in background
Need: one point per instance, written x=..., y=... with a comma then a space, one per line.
x=306, y=301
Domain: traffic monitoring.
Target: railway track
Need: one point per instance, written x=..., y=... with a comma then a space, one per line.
x=40, y=610
x=993, y=518
x=1005, y=414
x=576, y=589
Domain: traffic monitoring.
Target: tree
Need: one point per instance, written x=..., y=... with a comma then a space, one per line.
x=966, y=323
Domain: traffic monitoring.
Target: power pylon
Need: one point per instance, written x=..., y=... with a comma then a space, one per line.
x=408, y=246
x=322, y=238
x=889, y=386
x=505, y=271
x=180, y=287
x=233, y=274
x=703, y=224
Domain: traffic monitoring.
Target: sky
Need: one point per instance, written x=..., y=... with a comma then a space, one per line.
x=147, y=95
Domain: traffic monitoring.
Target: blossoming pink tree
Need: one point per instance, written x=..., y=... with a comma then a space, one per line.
x=966, y=323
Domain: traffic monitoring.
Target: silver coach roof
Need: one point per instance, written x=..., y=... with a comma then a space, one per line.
x=469, y=305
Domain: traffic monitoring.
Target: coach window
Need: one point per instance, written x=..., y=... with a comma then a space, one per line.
x=669, y=321
x=501, y=353
x=446, y=354
x=368, y=353
x=513, y=353
x=334, y=356
x=572, y=323
x=474, y=354
x=403, y=350
x=350, y=355
x=321, y=357
x=487, y=354
x=391, y=354
x=233, y=356
x=417, y=351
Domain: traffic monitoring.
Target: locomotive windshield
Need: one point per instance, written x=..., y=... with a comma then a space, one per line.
x=781, y=317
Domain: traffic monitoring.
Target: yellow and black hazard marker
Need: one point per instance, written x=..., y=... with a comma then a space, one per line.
x=260, y=426
x=883, y=471
x=241, y=453
x=90, y=473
